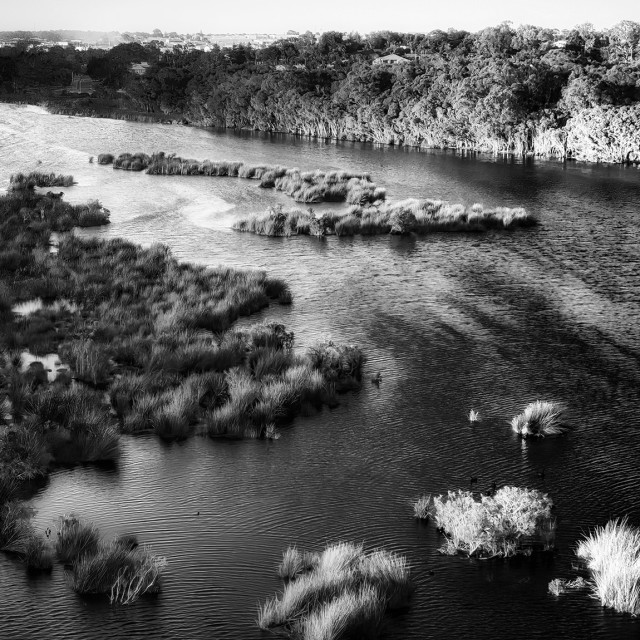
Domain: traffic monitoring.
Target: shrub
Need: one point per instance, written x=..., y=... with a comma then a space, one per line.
x=539, y=419
x=510, y=522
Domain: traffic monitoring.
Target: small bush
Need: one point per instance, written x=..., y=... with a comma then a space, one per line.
x=512, y=521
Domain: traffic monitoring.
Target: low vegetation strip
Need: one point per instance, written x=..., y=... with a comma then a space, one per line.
x=341, y=592
x=398, y=218
x=509, y=522
x=302, y=186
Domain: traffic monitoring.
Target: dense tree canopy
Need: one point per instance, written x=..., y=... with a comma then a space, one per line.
x=509, y=89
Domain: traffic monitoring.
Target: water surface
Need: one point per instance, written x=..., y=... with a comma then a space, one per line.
x=453, y=322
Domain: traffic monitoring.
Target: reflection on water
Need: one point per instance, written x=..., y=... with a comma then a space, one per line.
x=453, y=322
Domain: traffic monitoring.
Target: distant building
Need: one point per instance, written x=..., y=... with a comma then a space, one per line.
x=390, y=60
x=81, y=83
x=139, y=68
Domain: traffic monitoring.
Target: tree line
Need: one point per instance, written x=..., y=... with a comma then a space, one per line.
x=504, y=89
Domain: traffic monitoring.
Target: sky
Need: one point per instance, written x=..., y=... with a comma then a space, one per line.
x=278, y=16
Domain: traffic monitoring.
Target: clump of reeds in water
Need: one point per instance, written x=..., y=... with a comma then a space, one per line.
x=369, y=215
x=510, y=522
x=539, y=419
x=342, y=591
x=559, y=586
x=18, y=537
x=612, y=554
x=132, y=162
x=75, y=539
x=422, y=507
x=119, y=571
x=105, y=158
x=19, y=181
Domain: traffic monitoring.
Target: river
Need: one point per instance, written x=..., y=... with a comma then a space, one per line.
x=452, y=321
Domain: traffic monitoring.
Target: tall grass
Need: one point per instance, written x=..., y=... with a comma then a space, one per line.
x=539, y=419
x=341, y=592
x=612, y=554
x=20, y=181
x=512, y=521
x=75, y=539
x=116, y=570
x=370, y=215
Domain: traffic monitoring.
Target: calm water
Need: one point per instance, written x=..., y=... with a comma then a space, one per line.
x=453, y=322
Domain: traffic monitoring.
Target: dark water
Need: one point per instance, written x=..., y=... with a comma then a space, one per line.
x=453, y=322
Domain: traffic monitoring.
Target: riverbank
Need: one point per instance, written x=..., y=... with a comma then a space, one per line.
x=575, y=142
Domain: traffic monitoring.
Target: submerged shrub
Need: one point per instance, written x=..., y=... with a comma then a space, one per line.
x=512, y=521
x=539, y=419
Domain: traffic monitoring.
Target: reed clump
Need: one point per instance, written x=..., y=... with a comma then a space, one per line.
x=105, y=158
x=370, y=215
x=539, y=419
x=75, y=539
x=342, y=591
x=558, y=586
x=612, y=555
x=510, y=522
x=422, y=507
x=20, y=181
x=118, y=571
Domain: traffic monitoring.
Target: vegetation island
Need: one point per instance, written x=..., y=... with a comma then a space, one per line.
x=145, y=344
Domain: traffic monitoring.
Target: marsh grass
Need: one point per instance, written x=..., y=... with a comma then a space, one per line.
x=539, y=419
x=123, y=574
x=612, y=554
x=422, y=507
x=369, y=214
x=558, y=586
x=75, y=539
x=342, y=591
x=20, y=181
x=512, y=521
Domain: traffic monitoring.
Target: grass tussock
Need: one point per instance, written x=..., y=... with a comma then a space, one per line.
x=118, y=571
x=539, y=419
x=512, y=521
x=612, y=554
x=75, y=539
x=342, y=591
x=422, y=507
